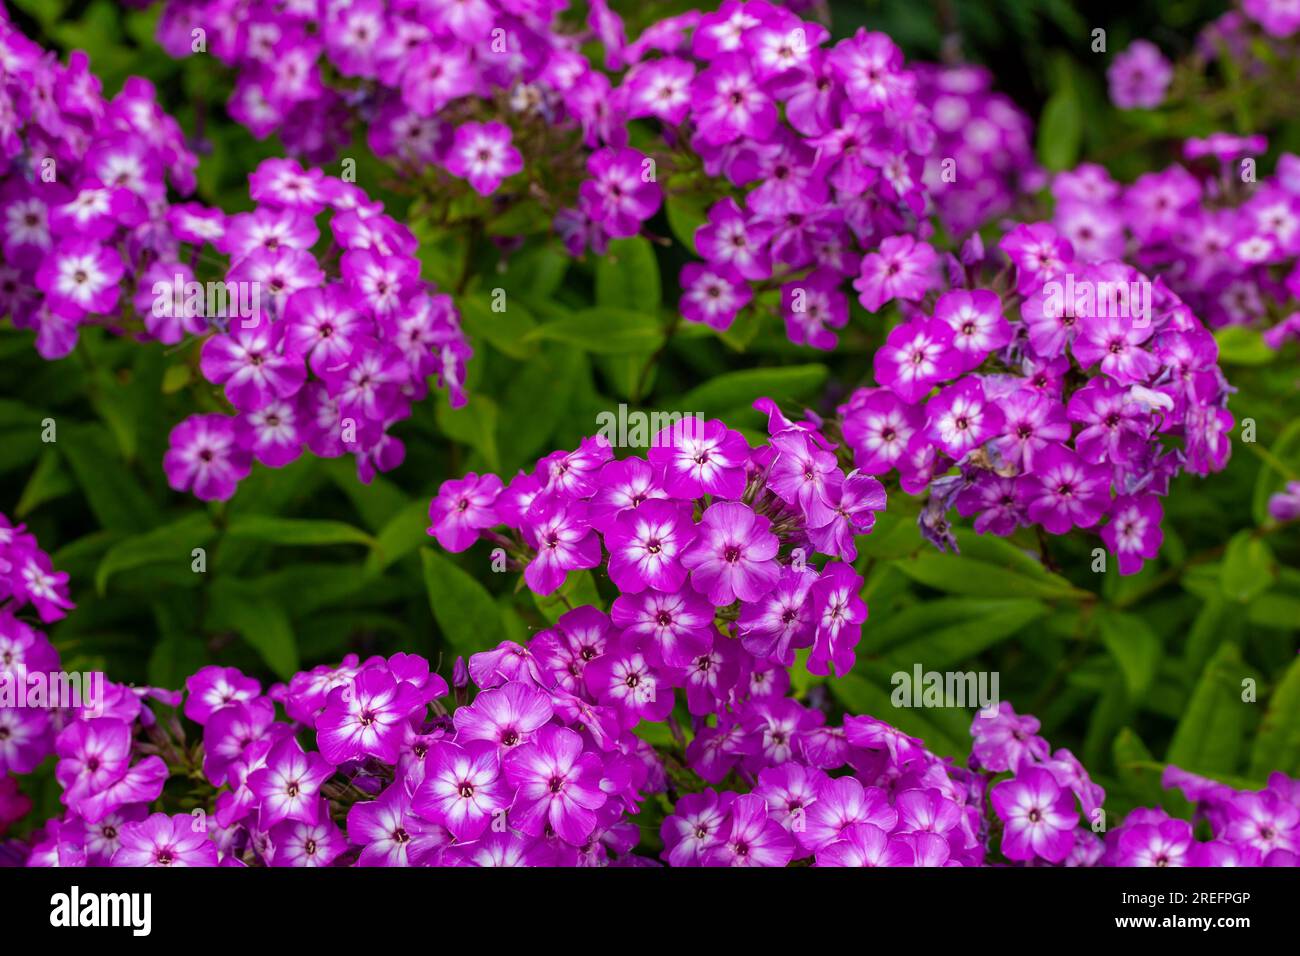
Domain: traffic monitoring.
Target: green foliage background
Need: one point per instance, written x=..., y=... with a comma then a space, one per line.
x=306, y=564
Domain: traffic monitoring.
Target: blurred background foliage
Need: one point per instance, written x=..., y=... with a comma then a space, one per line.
x=306, y=564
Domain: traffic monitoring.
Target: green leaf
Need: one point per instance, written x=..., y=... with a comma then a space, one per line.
x=1210, y=736
x=1274, y=609
x=48, y=482
x=118, y=500
x=1286, y=453
x=686, y=213
x=465, y=612
x=473, y=424
x=627, y=277
x=535, y=404
x=1277, y=743
x=297, y=532
x=733, y=390
x=939, y=633
x=170, y=544
x=579, y=588
x=1133, y=765
x=304, y=588
x=1135, y=647
x=1060, y=131
x=262, y=623
x=1248, y=568
x=404, y=533
x=604, y=331
x=1004, y=577
x=1239, y=345
x=507, y=331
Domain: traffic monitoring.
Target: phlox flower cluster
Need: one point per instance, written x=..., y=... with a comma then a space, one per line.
x=83, y=194
x=28, y=582
x=703, y=528
x=1228, y=245
x=340, y=345
x=529, y=757
x=323, y=352
x=1080, y=408
x=359, y=764
x=983, y=157
x=811, y=153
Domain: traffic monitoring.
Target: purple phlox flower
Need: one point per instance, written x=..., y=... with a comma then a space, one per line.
x=462, y=789
x=287, y=786
x=700, y=458
x=464, y=508
x=507, y=716
x=750, y=837
x=160, y=840
x=558, y=785
x=902, y=269
x=734, y=556
x=1038, y=817
x=839, y=613
x=367, y=717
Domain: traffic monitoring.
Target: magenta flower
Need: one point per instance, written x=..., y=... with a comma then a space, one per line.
x=854, y=513
x=841, y=804
x=558, y=786
x=646, y=545
x=902, y=269
x=211, y=688
x=839, y=615
x=728, y=240
x=696, y=827
x=462, y=789
x=1038, y=817
x=870, y=66
x=782, y=620
x=865, y=844
x=978, y=327
x=1115, y=343
x=287, y=786
x=806, y=475
x=366, y=718
x=1064, y=491
x=660, y=88
x=1133, y=533
x=506, y=716
x=962, y=418
x=81, y=275
x=483, y=154
x=161, y=840
x=713, y=294
x=1162, y=842
x=728, y=102
x=565, y=542
x=1139, y=77
x=307, y=844
x=878, y=426
x=734, y=556
x=625, y=679
x=675, y=628
x=252, y=365
x=915, y=357
x=1006, y=740
x=1031, y=423
x=390, y=834
x=700, y=459
x=622, y=192
x=750, y=837
x=462, y=509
